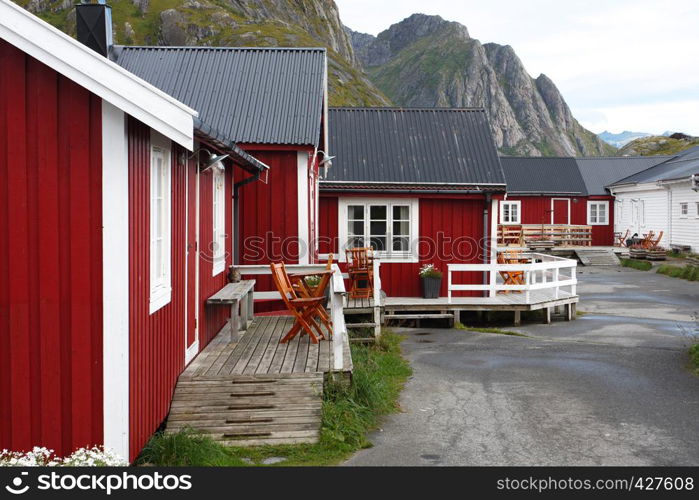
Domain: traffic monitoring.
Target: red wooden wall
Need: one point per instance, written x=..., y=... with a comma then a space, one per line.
x=453, y=223
x=212, y=319
x=50, y=258
x=156, y=342
x=537, y=210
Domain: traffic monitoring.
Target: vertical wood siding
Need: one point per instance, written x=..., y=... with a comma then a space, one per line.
x=454, y=224
x=269, y=215
x=50, y=258
x=156, y=340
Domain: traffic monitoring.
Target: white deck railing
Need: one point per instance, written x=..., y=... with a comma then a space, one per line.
x=337, y=299
x=542, y=272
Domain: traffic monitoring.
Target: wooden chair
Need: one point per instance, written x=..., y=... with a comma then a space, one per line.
x=510, y=277
x=302, y=308
x=308, y=291
x=360, y=268
x=653, y=241
x=621, y=240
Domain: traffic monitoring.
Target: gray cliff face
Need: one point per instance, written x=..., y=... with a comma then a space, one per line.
x=427, y=61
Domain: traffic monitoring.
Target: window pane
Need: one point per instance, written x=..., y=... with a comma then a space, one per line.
x=513, y=212
x=355, y=212
x=378, y=228
x=506, y=212
x=356, y=242
x=355, y=228
x=378, y=212
x=158, y=259
x=401, y=213
x=400, y=244
x=379, y=243
x=401, y=228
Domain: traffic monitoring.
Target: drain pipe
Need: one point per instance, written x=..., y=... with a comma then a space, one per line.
x=486, y=242
x=236, y=214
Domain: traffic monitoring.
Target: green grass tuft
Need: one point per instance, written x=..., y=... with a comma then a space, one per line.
x=694, y=358
x=641, y=265
x=349, y=412
x=688, y=272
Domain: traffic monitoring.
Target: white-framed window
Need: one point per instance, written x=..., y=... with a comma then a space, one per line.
x=684, y=209
x=218, y=243
x=696, y=212
x=388, y=225
x=598, y=213
x=510, y=212
x=160, y=222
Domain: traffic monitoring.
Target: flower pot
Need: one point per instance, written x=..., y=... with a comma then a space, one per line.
x=430, y=287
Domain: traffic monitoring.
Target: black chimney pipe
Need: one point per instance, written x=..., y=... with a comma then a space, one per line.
x=94, y=26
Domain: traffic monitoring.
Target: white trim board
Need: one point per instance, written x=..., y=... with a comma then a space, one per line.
x=115, y=282
x=97, y=74
x=303, y=200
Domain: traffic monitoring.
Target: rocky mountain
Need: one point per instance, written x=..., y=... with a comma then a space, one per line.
x=248, y=23
x=659, y=145
x=427, y=61
x=621, y=139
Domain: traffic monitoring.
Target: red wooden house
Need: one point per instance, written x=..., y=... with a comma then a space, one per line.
x=119, y=224
x=566, y=191
x=419, y=185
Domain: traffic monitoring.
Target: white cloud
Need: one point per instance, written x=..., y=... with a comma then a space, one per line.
x=622, y=58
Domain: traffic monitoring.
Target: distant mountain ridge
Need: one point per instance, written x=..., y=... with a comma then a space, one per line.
x=659, y=145
x=427, y=61
x=621, y=139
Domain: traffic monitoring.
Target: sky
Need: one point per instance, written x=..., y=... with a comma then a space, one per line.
x=620, y=65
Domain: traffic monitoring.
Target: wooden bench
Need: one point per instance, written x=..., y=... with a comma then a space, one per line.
x=680, y=248
x=239, y=297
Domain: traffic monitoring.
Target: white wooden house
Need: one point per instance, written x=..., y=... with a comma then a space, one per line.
x=662, y=198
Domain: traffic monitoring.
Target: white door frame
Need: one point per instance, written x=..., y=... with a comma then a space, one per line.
x=552, y=212
x=193, y=350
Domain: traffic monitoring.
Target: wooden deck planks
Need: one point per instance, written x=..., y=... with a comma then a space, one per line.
x=259, y=352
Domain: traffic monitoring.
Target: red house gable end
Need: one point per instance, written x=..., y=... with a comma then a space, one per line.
x=50, y=258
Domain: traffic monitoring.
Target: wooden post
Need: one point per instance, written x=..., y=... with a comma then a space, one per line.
x=234, y=322
x=457, y=317
x=518, y=318
x=547, y=315
x=574, y=311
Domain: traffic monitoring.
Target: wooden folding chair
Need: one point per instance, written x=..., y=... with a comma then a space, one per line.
x=302, y=308
x=305, y=290
x=510, y=277
x=653, y=242
x=621, y=240
x=360, y=268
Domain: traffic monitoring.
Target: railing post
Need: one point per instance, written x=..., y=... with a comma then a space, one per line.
x=338, y=317
x=573, y=287
x=555, y=281
x=448, y=283
x=493, y=281
x=376, y=265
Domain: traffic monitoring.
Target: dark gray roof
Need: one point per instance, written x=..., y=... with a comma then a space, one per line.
x=424, y=146
x=599, y=172
x=542, y=175
x=243, y=95
x=681, y=166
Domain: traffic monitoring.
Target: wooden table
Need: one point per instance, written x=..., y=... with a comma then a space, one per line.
x=240, y=297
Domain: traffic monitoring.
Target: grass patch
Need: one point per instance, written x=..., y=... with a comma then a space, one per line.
x=694, y=359
x=461, y=326
x=688, y=272
x=641, y=265
x=349, y=412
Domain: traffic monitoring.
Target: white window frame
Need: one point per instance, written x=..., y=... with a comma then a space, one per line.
x=389, y=255
x=696, y=207
x=598, y=203
x=518, y=219
x=160, y=288
x=684, y=210
x=218, y=202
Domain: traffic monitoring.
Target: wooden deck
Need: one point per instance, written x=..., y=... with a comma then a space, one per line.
x=256, y=391
x=259, y=352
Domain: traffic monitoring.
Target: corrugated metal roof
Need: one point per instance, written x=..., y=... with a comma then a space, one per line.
x=434, y=146
x=599, y=172
x=243, y=95
x=683, y=165
x=543, y=175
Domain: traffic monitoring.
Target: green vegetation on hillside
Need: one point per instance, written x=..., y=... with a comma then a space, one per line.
x=349, y=412
x=658, y=145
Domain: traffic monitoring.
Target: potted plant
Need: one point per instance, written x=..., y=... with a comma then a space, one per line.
x=431, y=278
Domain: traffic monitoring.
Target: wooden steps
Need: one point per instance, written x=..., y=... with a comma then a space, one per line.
x=250, y=410
x=597, y=257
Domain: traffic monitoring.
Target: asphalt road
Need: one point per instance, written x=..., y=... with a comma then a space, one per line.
x=611, y=388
